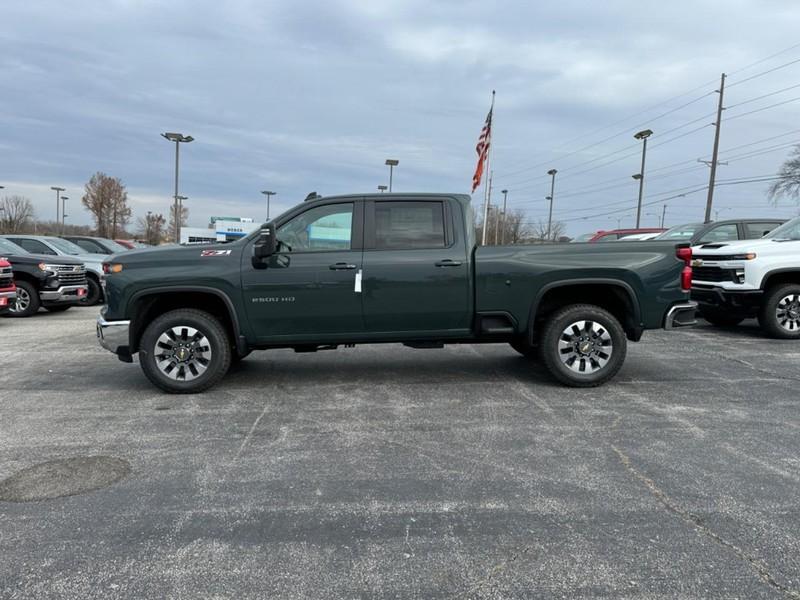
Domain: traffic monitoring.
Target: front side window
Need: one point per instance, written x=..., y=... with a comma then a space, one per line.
x=409, y=225
x=90, y=246
x=320, y=229
x=723, y=233
x=787, y=231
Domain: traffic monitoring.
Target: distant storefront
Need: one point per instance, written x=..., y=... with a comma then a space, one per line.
x=220, y=229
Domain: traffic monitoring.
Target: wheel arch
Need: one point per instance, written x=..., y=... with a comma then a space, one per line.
x=148, y=304
x=780, y=276
x=614, y=295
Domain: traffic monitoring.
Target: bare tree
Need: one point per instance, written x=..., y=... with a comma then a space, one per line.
x=151, y=228
x=539, y=231
x=789, y=183
x=184, y=218
x=107, y=200
x=16, y=214
x=511, y=229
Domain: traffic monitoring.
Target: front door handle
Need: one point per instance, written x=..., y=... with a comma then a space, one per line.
x=448, y=263
x=342, y=267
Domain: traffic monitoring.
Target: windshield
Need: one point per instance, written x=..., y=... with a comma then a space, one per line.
x=584, y=238
x=787, y=231
x=66, y=246
x=113, y=246
x=681, y=232
x=7, y=247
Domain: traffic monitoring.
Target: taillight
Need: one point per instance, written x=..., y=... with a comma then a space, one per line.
x=685, y=254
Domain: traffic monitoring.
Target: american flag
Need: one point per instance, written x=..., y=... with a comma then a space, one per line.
x=484, y=139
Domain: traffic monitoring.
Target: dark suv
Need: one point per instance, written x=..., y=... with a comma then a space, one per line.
x=96, y=245
x=54, y=282
x=720, y=231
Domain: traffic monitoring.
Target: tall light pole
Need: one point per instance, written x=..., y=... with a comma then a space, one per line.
x=382, y=188
x=503, y=234
x=58, y=191
x=63, y=212
x=391, y=163
x=268, y=194
x=178, y=138
x=552, y=173
x=642, y=135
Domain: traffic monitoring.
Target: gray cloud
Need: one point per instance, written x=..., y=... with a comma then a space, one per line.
x=315, y=95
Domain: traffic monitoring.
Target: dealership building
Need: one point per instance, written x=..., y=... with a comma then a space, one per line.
x=220, y=229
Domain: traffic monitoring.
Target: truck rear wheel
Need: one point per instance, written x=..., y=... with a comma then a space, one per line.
x=28, y=302
x=780, y=312
x=185, y=351
x=583, y=345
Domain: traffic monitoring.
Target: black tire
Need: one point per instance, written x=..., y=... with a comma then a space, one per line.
x=524, y=347
x=721, y=319
x=214, y=339
x=28, y=302
x=599, y=364
x=779, y=315
x=94, y=294
x=57, y=308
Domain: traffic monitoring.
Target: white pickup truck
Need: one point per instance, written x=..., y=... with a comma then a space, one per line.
x=732, y=281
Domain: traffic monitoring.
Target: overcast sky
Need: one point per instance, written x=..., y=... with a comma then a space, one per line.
x=314, y=96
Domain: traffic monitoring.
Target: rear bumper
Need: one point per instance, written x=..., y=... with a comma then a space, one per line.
x=681, y=315
x=114, y=336
x=66, y=293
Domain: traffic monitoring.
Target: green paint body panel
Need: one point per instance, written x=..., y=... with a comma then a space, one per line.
x=298, y=299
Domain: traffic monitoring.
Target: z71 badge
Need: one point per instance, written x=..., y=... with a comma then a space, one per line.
x=215, y=253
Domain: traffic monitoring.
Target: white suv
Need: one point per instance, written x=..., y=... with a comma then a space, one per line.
x=732, y=281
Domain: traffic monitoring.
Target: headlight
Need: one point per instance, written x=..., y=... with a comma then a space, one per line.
x=49, y=268
x=109, y=268
x=748, y=256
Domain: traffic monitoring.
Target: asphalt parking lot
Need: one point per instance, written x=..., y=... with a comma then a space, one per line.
x=387, y=472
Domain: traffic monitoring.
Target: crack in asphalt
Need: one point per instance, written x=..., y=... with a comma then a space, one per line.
x=757, y=565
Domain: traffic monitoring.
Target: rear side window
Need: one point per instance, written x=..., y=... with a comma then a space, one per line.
x=757, y=230
x=90, y=246
x=611, y=237
x=722, y=233
x=33, y=246
x=409, y=225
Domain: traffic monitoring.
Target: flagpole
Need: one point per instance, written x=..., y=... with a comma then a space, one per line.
x=486, y=192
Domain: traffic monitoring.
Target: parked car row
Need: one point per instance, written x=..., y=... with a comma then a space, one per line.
x=51, y=272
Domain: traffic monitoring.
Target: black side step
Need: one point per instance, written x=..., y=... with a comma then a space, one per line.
x=424, y=345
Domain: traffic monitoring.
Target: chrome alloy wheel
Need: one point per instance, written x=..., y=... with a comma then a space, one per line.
x=23, y=301
x=585, y=346
x=787, y=312
x=182, y=353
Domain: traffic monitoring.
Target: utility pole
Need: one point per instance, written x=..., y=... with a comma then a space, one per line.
x=717, y=126
x=642, y=135
x=663, y=215
x=503, y=234
x=552, y=173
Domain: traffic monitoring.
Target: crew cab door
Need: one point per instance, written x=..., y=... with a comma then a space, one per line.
x=307, y=290
x=416, y=268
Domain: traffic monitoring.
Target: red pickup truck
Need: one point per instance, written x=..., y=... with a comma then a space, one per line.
x=8, y=291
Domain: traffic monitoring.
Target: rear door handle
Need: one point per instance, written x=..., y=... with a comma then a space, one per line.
x=448, y=263
x=342, y=267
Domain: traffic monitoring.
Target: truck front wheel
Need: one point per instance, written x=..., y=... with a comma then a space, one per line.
x=583, y=345
x=780, y=312
x=185, y=351
x=28, y=302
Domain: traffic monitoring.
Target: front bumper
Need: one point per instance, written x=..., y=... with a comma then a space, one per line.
x=743, y=301
x=681, y=315
x=7, y=300
x=114, y=336
x=65, y=293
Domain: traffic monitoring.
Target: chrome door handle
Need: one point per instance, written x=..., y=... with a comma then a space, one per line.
x=448, y=263
x=342, y=267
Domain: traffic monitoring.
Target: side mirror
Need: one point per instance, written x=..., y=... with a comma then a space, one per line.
x=265, y=245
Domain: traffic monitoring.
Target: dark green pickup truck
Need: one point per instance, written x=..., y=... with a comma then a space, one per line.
x=387, y=268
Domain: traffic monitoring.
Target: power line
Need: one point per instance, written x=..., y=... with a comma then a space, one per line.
x=786, y=89
x=762, y=73
x=763, y=60
x=744, y=114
